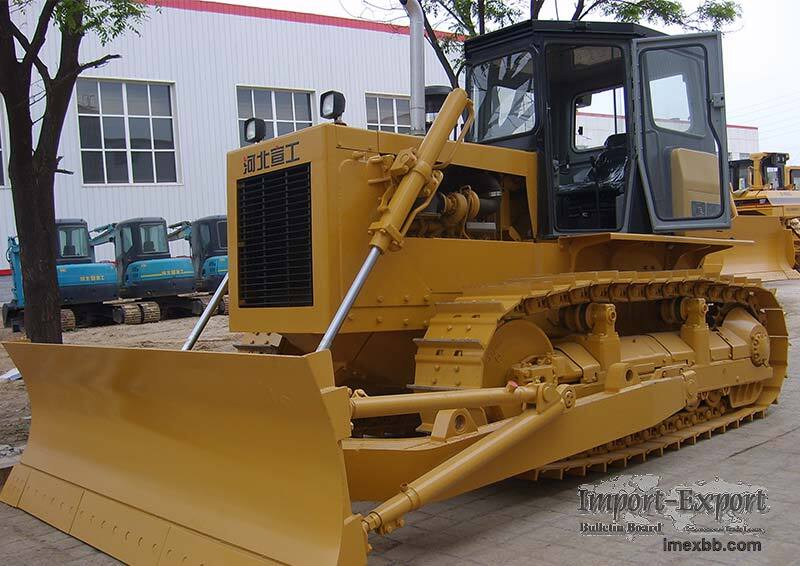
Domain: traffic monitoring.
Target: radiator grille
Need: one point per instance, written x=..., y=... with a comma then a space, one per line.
x=274, y=223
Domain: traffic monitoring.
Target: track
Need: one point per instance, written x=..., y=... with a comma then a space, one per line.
x=468, y=336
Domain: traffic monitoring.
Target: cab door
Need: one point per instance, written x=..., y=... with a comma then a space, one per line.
x=680, y=135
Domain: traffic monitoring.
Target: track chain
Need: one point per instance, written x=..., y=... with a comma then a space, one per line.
x=151, y=312
x=469, y=323
x=684, y=428
x=128, y=314
x=68, y=321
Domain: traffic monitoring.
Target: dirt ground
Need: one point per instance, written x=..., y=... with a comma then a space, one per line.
x=167, y=334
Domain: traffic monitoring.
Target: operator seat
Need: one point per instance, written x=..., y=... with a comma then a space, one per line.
x=148, y=247
x=608, y=172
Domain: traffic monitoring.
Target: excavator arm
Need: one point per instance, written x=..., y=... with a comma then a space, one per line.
x=180, y=231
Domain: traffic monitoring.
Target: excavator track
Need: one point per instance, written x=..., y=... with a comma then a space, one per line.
x=68, y=321
x=128, y=313
x=225, y=305
x=151, y=312
x=461, y=344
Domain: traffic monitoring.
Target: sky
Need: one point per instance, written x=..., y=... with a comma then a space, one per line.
x=761, y=85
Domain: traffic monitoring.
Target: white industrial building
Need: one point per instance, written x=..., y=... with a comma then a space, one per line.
x=147, y=134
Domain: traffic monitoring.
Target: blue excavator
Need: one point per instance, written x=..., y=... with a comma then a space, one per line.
x=155, y=283
x=208, y=239
x=87, y=288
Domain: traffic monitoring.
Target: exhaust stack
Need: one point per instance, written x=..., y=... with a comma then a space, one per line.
x=417, y=34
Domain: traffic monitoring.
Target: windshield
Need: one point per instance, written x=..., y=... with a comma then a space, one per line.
x=222, y=230
x=502, y=90
x=73, y=241
x=154, y=238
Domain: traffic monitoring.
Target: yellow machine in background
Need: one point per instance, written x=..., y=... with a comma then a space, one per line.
x=454, y=313
x=766, y=186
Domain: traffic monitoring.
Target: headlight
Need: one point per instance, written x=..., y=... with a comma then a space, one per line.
x=331, y=105
x=255, y=130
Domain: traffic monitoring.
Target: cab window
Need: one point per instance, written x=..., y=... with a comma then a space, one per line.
x=222, y=233
x=154, y=239
x=503, y=92
x=127, y=239
x=597, y=116
x=73, y=241
x=773, y=176
x=205, y=236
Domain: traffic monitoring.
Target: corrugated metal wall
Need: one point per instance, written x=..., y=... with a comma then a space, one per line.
x=206, y=55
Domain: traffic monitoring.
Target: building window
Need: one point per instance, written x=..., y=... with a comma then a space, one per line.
x=389, y=113
x=284, y=111
x=127, y=132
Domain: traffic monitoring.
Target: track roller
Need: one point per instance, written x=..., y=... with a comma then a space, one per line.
x=151, y=312
x=68, y=321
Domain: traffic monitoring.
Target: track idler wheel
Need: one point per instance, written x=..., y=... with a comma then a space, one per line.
x=151, y=312
x=128, y=314
x=68, y=321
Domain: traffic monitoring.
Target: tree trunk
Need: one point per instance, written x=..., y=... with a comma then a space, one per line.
x=34, y=209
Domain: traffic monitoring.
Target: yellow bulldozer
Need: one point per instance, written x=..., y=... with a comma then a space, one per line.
x=765, y=185
x=453, y=313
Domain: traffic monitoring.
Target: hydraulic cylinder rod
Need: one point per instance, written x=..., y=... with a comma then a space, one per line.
x=208, y=312
x=349, y=299
x=388, y=229
x=385, y=405
x=449, y=473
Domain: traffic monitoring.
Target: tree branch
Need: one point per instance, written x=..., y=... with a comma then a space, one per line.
x=31, y=54
x=579, y=5
x=591, y=8
x=536, y=8
x=440, y=54
x=41, y=31
x=97, y=62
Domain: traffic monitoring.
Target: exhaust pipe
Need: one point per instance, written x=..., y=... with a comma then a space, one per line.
x=417, y=38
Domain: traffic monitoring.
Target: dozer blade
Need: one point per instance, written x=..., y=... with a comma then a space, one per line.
x=165, y=457
x=769, y=258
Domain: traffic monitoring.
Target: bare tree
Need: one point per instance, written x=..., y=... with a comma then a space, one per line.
x=33, y=159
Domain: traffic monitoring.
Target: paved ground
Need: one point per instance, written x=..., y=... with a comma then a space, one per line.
x=516, y=522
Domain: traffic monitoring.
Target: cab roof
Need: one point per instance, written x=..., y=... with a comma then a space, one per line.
x=534, y=27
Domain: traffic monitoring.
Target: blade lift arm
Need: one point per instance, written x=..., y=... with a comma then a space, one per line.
x=418, y=176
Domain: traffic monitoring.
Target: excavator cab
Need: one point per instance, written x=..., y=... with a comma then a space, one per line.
x=145, y=266
x=565, y=90
x=209, y=243
x=73, y=242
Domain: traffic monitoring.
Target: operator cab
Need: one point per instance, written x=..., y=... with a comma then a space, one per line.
x=140, y=239
x=567, y=90
x=73, y=242
x=209, y=239
x=761, y=171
